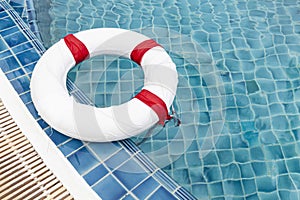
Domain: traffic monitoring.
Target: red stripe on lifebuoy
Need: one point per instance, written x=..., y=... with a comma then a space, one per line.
x=77, y=48
x=156, y=104
x=139, y=51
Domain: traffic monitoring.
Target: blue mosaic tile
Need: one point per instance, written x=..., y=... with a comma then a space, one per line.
x=241, y=155
x=161, y=193
x=12, y=74
x=233, y=187
x=210, y=158
x=247, y=170
x=238, y=142
x=266, y=184
x=10, y=63
x=117, y=159
x=42, y=124
x=145, y=188
x=70, y=146
x=130, y=174
x=3, y=46
x=20, y=48
x=9, y=30
x=196, y=176
x=200, y=190
x=29, y=68
x=273, y=152
x=252, y=197
x=104, y=150
x=180, y=163
x=249, y=186
x=183, y=173
x=6, y=22
x=193, y=159
x=55, y=136
x=216, y=189
x=21, y=84
x=251, y=138
x=290, y=108
x=225, y=157
x=231, y=171
x=95, y=174
x=293, y=165
x=285, y=182
x=290, y=151
x=278, y=167
x=212, y=174
x=259, y=168
x=5, y=53
x=269, y=196
x=295, y=178
x=15, y=39
x=25, y=97
x=257, y=153
x=261, y=111
x=28, y=57
x=82, y=160
x=128, y=197
x=284, y=194
x=268, y=138
x=104, y=189
x=32, y=110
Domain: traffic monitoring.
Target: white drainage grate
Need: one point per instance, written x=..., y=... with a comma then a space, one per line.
x=23, y=174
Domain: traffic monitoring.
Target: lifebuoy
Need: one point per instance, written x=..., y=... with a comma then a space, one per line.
x=149, y=107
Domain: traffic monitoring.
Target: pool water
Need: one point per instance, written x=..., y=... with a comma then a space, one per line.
x=238, y=95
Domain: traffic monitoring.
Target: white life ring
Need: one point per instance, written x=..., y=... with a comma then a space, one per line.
x=54, y=104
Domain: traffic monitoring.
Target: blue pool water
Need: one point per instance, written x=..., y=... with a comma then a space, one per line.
x=118, y=165
x=238, y=95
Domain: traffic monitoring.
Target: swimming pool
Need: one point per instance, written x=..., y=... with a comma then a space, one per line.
x=238, y=95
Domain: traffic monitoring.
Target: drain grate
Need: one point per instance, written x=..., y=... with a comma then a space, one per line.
x=23, y=174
